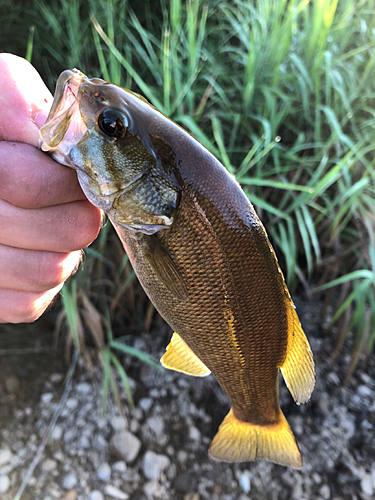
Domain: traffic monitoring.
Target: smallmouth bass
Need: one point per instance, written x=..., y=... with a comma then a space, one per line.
x=199, y=251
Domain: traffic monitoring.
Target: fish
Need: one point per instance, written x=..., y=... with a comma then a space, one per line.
x=200, y=253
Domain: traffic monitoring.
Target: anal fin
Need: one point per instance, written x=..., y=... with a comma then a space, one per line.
x=238, y=441
x=298, y=368
x=180, y=357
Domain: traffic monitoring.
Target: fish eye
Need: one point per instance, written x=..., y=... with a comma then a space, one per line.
x=111, y=124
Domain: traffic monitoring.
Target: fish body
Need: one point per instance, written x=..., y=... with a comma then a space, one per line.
x=200, y=252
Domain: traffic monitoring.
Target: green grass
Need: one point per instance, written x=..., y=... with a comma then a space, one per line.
x=282, y=92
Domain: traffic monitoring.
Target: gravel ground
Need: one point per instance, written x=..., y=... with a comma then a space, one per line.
x=159, y=450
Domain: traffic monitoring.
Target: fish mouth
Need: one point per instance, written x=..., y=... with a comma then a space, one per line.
x=64, y=126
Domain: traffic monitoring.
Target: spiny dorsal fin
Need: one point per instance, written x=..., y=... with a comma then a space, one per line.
x=298, y=368
x=181, y=358
x=238, y=441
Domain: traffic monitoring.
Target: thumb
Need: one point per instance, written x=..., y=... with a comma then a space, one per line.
x=24, y=100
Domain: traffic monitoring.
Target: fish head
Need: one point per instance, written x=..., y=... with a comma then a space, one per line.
x=101, y=130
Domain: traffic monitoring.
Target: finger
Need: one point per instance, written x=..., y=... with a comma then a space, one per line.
x=31, y=179
x=24, y=307
x=37, y=271
x=24, y=100
x=61, y=228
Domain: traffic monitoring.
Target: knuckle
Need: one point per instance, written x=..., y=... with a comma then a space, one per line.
x=87, y=225
x=21, y=158
x=23, y=307
x=51, y=269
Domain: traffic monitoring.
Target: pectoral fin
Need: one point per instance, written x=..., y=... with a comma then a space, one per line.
x=298, y=367
x=181, y=358
x=163, y=266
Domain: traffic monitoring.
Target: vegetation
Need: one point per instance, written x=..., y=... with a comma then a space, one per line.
x=281, y=91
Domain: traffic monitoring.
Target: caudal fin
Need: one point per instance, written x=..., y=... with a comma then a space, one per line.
x=238, y=441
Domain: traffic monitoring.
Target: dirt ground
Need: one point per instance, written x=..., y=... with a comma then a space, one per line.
x=166, y=437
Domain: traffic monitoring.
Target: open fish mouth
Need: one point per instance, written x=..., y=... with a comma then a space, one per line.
x=64, y=126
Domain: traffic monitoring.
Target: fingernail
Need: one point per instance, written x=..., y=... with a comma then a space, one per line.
x=40, y=117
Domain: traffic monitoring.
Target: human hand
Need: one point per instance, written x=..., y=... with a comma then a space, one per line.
x=45, y=219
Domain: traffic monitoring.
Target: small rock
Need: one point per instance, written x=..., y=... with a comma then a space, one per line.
x=28, y=411
x=191, y=496
x=134, y=425
x=137, y=414
x=4, y=484
x=366, y=485
x=119, y=466
x=182, y=456
x=96, y=495
x=100, y=443
x=323, y=405
x=12, y=384
x=114, y=492
x=5, y=470
x=298, y=426
x=55, y=378
x=156, y=424
x=297, y=493
x=316, y=478
x=70, y=495
x=244, y=482
x=71, y=403
x=348, y=427
x=125, y=445
x=145, y=404
x=131, y=476
x=49, y=465
x=69, y=481
x=325, y=492
x=153, y=489
x=333, y=378
x=71, y=435
x=84, y=442
x=83, y=388
x=119, y=424
x=104, y=472
x=57, y=433
x=5, y=456
x=58, y=455
x=365, y=391
x=194, y=434
x=154, y=464
x=18, y=446
x=47, y=397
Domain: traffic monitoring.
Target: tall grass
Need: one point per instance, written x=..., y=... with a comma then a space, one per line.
x=281, y=91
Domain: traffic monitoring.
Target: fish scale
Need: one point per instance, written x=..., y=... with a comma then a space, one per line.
x=212, y=321
x=199, y=251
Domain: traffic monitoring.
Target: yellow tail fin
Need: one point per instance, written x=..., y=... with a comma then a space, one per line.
x=238, y=441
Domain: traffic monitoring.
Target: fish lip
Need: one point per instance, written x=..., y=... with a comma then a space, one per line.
x=70, y=80
x=64, y=122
